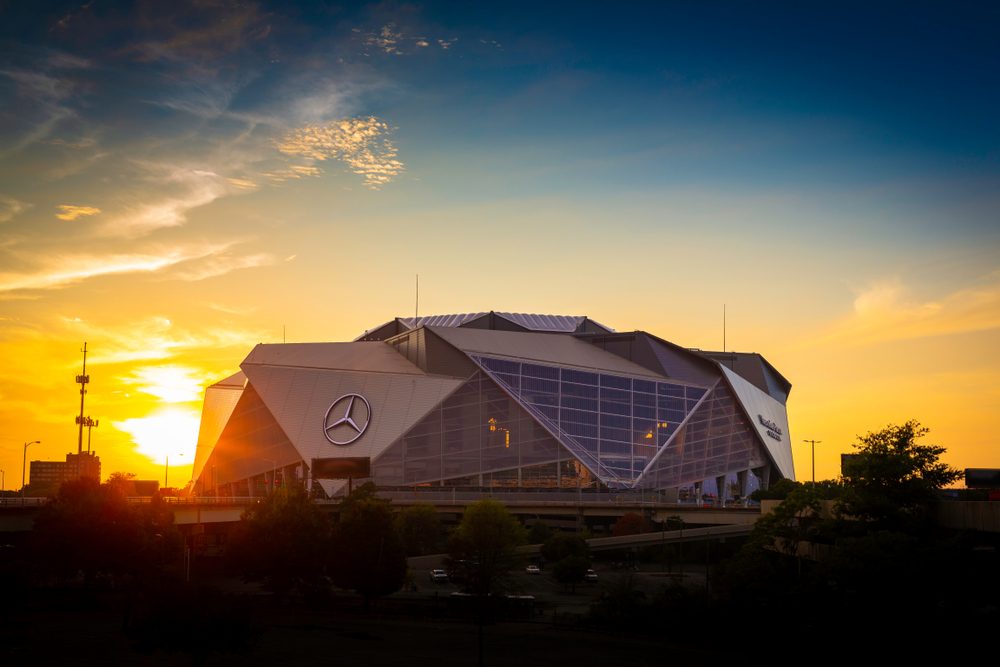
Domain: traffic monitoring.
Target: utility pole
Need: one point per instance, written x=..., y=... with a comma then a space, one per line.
x=813, y=443
x=82, y=379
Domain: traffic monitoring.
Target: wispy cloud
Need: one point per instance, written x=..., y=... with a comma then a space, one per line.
x=188, y=188
x=156, y=338
x=232, y=310
x=10, y=208
x=362, y=144
x=62, y=270
x=46, y=97
x=886, y=311
x=222, y=264
x=72, y=212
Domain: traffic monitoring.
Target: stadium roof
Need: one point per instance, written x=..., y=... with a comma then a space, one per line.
x=489, y=320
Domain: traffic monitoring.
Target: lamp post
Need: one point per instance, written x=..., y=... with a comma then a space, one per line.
x=166, y=469
x=24, y=465
x=813, y=443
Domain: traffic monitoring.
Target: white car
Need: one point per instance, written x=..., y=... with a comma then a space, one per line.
x=590, y=576
x=439, y=575
x=533, y=569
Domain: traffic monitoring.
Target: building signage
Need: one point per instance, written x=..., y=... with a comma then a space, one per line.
x=773, y=430
x=347, y=419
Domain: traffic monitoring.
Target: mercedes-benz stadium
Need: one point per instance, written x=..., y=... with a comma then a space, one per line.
x=497, y=401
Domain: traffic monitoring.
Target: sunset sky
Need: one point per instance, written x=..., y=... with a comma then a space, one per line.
x=180, y=181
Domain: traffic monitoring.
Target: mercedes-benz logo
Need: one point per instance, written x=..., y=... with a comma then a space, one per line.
x=347, y=419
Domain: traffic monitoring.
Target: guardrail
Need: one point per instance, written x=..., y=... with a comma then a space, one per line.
x=11, y=501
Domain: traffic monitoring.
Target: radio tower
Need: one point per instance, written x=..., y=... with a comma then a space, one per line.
x=82, y=379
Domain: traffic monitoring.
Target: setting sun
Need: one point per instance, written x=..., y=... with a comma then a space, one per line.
x=170, y=432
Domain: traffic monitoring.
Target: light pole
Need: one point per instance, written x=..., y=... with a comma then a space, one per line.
x=24, y=465
x=166, y=469
x=813, y=443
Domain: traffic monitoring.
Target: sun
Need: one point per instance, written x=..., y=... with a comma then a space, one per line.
x=167, y=433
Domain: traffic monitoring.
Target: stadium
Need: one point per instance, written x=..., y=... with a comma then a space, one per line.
x=493, y=402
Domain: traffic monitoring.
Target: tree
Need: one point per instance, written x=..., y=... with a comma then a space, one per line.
x=284, y=541
x=570, y=558
x=367, y=555
x=483, y=549
x=420, y=529
x=91, y=528
x=892, y=479
x=630, y=523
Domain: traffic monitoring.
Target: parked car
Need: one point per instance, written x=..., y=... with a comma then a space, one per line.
x=590, y=576
x=439, y=576
x=533, y=569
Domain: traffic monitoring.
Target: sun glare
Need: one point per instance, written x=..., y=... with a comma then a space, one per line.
x=172, y=432
x=170, y=384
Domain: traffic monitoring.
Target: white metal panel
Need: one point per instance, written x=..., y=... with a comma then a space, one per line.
x=541, y=347
x=372, y=356
x=220, y=399
x=299, y=399
x=762, y=408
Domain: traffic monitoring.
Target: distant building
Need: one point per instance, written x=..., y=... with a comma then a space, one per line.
x=46, y=476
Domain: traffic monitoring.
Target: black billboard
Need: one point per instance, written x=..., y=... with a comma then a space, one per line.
x=342, y=468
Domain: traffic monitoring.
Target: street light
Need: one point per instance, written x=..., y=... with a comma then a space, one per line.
x=166, y=469
x=813, y=443
x=24, y=465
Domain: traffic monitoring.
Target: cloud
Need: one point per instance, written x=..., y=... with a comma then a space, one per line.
x=886, y=311
x=361, y=143
x=46, y=98
x=171, y=383
x=72, y=212
x=232, y=310
x=156, y=338
x=60, y=271
x=11, y=208
x=222, y=264
x=386, y=39
x=191, y=188
x=242, y=183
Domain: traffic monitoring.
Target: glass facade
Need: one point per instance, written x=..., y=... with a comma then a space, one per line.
x=613, y=423
x=479, y=437
x=717, y=440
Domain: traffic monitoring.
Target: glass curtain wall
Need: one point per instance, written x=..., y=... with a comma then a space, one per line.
x=615, y=424
x=479, y=437
x=717, y=440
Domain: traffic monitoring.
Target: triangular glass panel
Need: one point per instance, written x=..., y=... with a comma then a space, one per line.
x=614, y=424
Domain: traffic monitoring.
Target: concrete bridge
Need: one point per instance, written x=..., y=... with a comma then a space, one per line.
x=560, y=509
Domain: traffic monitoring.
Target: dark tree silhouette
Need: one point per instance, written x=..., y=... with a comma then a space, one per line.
x=92, y=529
x=367, y=553
x=570, y=558
x=283, y=541
x=630, y=523
x=892, y=479
x=420, y=530
x=483, y=549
